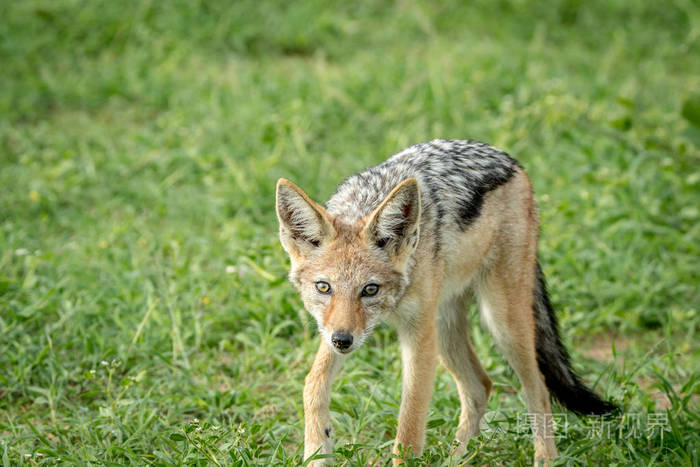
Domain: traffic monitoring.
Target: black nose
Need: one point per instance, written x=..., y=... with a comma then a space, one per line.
x=342, y=340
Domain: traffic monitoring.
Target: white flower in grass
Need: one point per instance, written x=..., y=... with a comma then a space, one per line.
x=21, y=252
x=230, y=269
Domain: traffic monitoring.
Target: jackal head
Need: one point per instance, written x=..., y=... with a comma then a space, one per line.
x=350, y=273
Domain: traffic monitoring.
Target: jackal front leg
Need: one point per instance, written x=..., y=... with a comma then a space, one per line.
x=419, y=359
x=317, y=399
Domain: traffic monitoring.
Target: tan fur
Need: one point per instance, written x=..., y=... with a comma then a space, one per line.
x=494, y=259
x=418, y=337
x=317, y=399
x=346, y=315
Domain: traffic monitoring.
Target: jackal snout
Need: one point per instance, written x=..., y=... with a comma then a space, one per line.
x=344, y=322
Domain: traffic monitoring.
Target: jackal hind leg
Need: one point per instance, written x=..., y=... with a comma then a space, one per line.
x=458, y=356
x=506, y=301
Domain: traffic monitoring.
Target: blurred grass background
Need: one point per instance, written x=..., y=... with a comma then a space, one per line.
x=144, y=312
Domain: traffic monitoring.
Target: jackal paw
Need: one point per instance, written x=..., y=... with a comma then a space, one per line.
x=324, y=448
x=464, y=433
x=459, y=449
x=326, y=460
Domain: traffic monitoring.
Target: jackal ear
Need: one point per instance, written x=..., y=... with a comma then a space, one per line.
x=304, y=224
x=395, y=225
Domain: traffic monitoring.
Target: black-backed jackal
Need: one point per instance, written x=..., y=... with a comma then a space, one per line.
x=410, y=242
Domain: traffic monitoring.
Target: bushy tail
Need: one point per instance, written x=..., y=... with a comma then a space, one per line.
x=553, y=360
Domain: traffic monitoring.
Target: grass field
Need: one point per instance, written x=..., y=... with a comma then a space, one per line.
x=145, y=317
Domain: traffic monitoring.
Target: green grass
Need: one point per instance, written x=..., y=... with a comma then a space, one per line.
x=142, y=285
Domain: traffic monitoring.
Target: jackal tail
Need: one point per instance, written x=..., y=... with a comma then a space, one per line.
x=554, y=363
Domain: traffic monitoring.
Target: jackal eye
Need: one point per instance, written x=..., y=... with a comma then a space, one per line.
x=369, y=290
x=323, y=287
